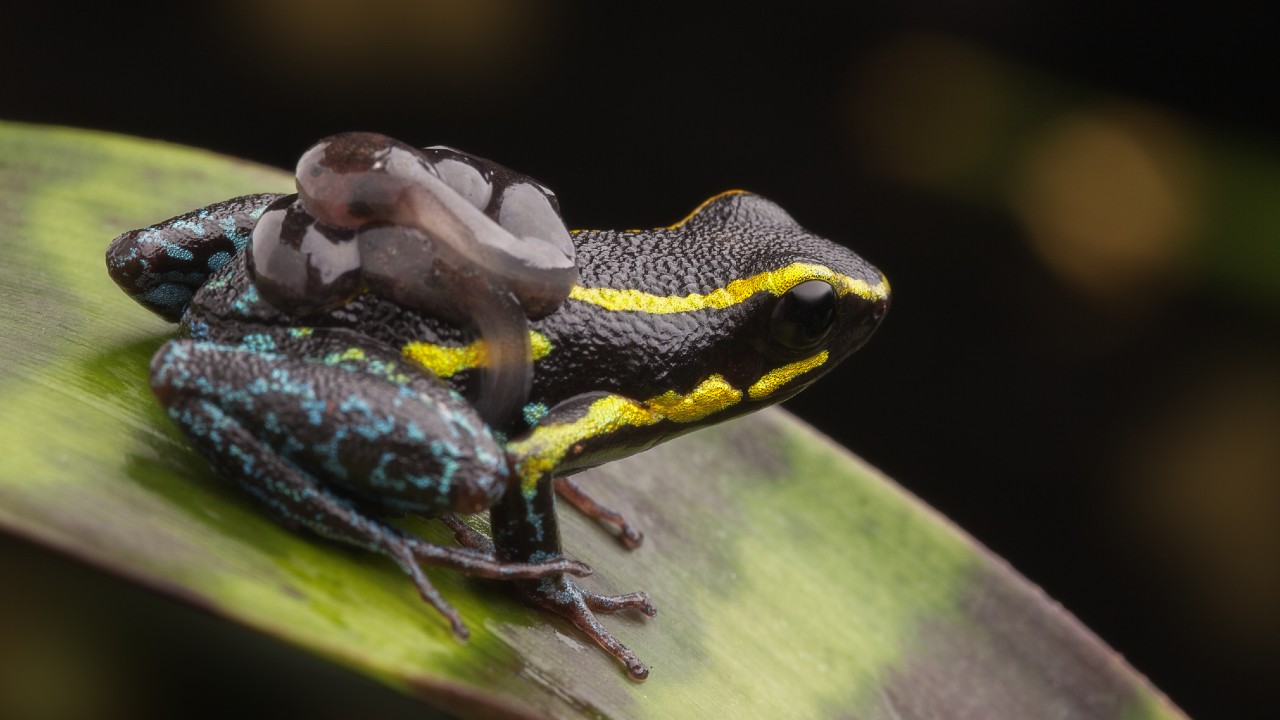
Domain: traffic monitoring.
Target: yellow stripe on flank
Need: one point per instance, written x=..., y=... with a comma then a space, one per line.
x=775, y=282
x=547, y=445
x=774, y=379
x=446, y=360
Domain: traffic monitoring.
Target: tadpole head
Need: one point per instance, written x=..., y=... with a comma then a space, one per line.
x=354, y=179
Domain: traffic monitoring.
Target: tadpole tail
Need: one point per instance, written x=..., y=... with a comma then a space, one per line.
x=507, y=376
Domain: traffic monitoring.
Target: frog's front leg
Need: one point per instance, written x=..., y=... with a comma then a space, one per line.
x=573, y=434
x=318, y=433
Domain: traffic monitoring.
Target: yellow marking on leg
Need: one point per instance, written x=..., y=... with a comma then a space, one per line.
x=775, y=282
x=447, y=361
x=774, y=379
x=546, y=445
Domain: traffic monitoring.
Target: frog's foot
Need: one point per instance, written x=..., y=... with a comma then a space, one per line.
x=563, y=597
x=627, y=534
x=226, y=436
x=296, y=498
x=403, y=555
x=408, y=552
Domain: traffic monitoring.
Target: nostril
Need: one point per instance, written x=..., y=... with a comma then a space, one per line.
x=879, y=308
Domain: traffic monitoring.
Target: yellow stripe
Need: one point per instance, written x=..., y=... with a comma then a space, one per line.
x=703, y=206
x=711, y=396
x=775, y=282
x=547, y=445
x=774, y=379
x=446, y=361
x=684, y=220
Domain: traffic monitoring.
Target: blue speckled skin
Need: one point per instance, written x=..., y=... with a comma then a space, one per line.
x=379, y=435
x=326, y=421
x=162, y=266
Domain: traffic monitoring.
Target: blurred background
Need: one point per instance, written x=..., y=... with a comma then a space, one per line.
x=1077, y=204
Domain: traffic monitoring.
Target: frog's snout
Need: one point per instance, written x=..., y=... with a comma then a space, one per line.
x=865, y=315
x=879, y=308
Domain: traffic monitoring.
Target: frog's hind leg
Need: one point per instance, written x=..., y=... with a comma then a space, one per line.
x=282, y=426
x=296, y=500
x=162, y=266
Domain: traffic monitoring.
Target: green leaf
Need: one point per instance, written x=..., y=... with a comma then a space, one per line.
x=792, y=579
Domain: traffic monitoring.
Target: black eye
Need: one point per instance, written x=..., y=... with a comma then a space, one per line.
x=804, y=316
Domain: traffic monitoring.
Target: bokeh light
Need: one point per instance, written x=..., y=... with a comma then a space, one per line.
x=926, y=109
x=1201, y=491
x=353, y=51
x=1108, y=200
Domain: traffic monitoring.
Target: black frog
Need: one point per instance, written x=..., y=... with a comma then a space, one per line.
x=416, y=331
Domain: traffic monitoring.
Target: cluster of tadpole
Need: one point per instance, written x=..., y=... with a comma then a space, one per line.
x=437, y=230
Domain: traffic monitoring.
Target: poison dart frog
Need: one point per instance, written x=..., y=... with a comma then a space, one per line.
x=415, y=331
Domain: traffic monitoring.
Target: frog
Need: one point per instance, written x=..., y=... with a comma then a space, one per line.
x=348, y=361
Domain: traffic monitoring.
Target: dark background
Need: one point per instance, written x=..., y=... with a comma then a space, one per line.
x=1072, y=201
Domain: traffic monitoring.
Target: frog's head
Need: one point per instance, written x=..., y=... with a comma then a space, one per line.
x=806, y=303
x=735, y=307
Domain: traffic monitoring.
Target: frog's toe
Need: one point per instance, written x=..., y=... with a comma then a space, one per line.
x=401, y=551
x=628, y=534
x=617, y=603
x=458, y=627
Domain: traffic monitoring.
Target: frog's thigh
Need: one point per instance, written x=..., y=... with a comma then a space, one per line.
x=367, y=427
x=247, y=411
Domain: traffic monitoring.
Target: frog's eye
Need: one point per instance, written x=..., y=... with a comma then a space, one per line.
x=299, y=265
x=804, y=315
